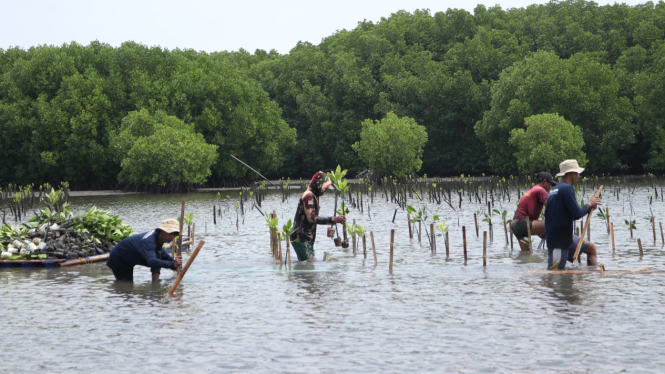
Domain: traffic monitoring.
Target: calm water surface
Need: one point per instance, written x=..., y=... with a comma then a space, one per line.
x=238, y=312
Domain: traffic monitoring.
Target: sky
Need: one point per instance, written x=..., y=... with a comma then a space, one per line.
x=204, y=25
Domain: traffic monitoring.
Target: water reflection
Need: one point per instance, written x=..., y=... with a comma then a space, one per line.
x=564, y=287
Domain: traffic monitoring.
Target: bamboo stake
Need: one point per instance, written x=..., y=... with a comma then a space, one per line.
x=475, y=219
x=288, y=251
x=528, y=230
x=431, y=234
x=579, y=244
x=505, y=230
x=371, y=234
x=408, y=219
x=364, y=247
x=447, y=246
x=639, y=244
x=182, y=221
x=184, y=270
x=279, y=239
x=353, y=237
x=662, y=238
x=464, y=241
x=511, y=234
x=588, y=231
x=612, y=230
x=653, y=226
x=420, y=228
x=392, y=246
x=193, y=232
x=484, y=248
x=607, y=214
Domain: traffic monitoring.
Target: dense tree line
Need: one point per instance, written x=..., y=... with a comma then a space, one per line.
x=469, y=78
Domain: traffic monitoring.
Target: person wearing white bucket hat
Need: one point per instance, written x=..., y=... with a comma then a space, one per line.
x=562, y=210
x=145, y=249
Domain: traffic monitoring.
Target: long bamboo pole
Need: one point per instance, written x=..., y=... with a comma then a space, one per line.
x=586, y=225
x=184, y=270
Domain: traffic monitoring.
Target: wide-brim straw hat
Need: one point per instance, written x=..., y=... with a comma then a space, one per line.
x=170, y=226
x=569, y=166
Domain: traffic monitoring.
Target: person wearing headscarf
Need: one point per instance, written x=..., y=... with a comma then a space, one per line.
x=307, y=217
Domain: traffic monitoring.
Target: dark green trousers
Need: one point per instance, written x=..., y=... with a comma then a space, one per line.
x=303, y=250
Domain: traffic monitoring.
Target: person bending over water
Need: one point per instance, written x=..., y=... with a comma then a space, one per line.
x=145, y=249
x=307, y=217
x=531, y=205
x=562, y=210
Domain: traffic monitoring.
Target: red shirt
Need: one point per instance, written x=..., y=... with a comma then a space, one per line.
x=531, y=204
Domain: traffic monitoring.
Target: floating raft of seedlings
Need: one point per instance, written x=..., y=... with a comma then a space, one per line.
x=59, y=246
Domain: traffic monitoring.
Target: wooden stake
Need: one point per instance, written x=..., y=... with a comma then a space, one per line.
x=484, y=248
x=408, y=219
x=653, y=226
x=639, y=244
x=662, y=238
x=464, y=241
x=528, y=231
x=184, y=270
x=288, y=251
x=431, y=235
x=371, y=235
x=364, y=247
x=607, y=213
x=420, y=228
x=505, y=230
x=392, y=246
x=447, y=246
x=579, y=244
x=475, y=219
x=353, y=237
x=182, y=221
x=511, y=234
x=279, y=239
x=612, y=232
x=193, y=231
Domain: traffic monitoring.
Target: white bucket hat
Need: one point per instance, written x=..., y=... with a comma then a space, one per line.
x=569, y=166
x=170, y=226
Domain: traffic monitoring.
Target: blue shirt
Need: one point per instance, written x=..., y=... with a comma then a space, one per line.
x=561, y=212
x=141, y=249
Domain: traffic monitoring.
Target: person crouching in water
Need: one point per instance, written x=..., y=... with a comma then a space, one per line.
x=531, y=205
x=307, y=217
x=145, y=249
x=560, y=215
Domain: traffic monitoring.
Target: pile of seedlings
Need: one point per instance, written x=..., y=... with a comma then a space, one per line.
x=56, y=233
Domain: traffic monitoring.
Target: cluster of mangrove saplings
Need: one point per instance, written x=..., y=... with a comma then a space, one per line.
x=19, y=200
x=56, y=233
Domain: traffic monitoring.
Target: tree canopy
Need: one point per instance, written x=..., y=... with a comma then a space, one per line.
x=470, y=78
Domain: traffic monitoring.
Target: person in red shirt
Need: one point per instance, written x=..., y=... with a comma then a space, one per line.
x=531, y=205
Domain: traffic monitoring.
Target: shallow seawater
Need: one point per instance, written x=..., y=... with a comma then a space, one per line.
x=237, y=311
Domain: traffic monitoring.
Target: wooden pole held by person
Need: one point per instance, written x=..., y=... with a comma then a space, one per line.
x=464, y=241
x=484, y=248
x=371, y=235
x=586, y=225
x=184, y=270
x=392, y=247
x=639, y=245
